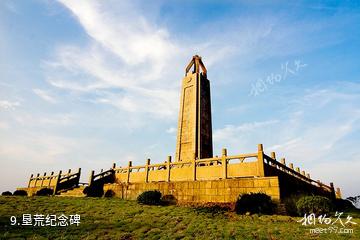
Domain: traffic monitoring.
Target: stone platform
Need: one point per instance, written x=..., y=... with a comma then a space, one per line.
x=221, y=191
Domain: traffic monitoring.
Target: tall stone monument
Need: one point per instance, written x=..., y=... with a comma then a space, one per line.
x=218, y=179
x=194, y=138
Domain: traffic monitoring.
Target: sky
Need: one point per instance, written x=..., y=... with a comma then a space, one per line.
x=89, y=83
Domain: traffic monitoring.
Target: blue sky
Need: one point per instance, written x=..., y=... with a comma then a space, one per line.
x=89, y=83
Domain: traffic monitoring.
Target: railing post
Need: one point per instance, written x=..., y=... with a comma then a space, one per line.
x=333, y=195
x=57, y=182
x=128, y=172
x=79, y=174
x=273, y=156
x=50, y=178
x=319, y=183
x=283, y=162
x=42, y=180
x=114, y=165
x=338, y=193
x=91, y=178
x=36, y=179
x=224, y=163
x=168, y=168
x=308, y=175
x=31, y=176
x=298, y=171
x=260, y=162
x=147, y=170
x=291, y=165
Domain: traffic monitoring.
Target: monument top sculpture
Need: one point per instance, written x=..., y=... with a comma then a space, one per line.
x=197, y=63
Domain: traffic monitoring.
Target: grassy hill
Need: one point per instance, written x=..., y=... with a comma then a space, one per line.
x=113, y=218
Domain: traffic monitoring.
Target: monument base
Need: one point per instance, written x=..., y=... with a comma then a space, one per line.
x=221, y=191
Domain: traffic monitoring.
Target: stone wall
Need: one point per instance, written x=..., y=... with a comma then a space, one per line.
x=291, y=185
x=221, y=191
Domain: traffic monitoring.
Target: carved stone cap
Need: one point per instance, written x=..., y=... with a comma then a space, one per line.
x=197, y=63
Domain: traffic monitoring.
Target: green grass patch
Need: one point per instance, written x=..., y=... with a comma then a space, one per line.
x=112, y=218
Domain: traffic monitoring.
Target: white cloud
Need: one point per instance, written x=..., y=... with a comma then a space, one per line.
x=38, y=148
x=171, y=130
x=326, y=148
x=124, y=31
x=319, y=121
x=128, y=52
x=25, y=119
x=322, y=97
x=128, y=59
x=8, y=105
x=315, y=142
x=231, y=131
x=286, y=145
x=4, y=125
x=345, y=171
x=44, y=95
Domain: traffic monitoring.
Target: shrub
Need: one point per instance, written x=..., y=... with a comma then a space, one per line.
x=343, y=204
x=314, y=204
x=109, y=193
x=95, y=190
x=44, y=192
x=20, y=193
x=7, y=193
x=168, y=200
x=254, y=203
x=290, y=205
x=150, y=198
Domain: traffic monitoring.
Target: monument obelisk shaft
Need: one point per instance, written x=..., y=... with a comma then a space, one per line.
x=194, y=136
